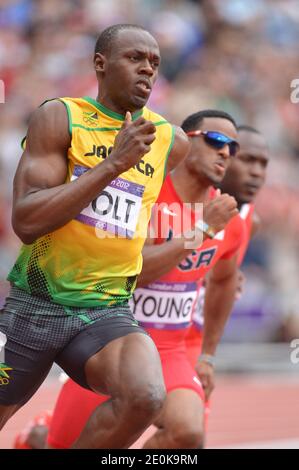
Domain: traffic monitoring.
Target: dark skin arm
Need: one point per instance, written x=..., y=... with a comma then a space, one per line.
x=42, y=201
x=219, y=300
x=161, y=258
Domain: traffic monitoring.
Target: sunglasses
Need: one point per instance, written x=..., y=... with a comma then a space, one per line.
x=217, y=140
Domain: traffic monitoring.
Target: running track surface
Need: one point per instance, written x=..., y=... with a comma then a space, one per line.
x=248, y=411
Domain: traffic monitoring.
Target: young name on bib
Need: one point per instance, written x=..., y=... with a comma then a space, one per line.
x=164, y=304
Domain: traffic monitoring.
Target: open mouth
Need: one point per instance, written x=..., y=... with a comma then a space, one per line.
x=143, y=86
x=252, y=188
x=220, y=166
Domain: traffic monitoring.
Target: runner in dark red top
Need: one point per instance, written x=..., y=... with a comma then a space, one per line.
x=243, y=180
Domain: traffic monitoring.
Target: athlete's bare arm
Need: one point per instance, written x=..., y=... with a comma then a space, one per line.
x=42, y=201
x=160, y=259
x=166, y=256
x=219, y=299
x=179, y=150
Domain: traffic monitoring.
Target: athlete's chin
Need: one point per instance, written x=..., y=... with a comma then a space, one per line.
x=245, y=199
x=215, y=179
x=138, y=102
x=247, y=196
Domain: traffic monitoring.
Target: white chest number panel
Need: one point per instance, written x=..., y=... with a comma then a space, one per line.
x=116, y=209
x=166, y=305
x=198, y=317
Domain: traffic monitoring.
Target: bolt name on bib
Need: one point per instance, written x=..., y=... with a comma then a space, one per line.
x=116, y=209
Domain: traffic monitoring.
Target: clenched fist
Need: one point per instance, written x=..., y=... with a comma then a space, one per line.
x=205, y=374
x=132, y=142
x=219, y=211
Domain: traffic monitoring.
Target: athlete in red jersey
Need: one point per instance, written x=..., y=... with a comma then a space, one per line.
x=165, y=306
x=243, y=179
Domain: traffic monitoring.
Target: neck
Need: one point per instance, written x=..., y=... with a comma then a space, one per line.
x=106, y=101
x=226, y=189
x=189, y=187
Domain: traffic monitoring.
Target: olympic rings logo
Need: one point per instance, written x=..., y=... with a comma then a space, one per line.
x=4, y=381
x=90, y=121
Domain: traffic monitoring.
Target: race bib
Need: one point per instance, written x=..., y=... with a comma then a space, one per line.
x=117, y=207
x=166, y=305
x=197, y=316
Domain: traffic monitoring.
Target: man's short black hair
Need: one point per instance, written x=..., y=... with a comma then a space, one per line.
x=106, y=38
x=194, y=121
x=246, y=128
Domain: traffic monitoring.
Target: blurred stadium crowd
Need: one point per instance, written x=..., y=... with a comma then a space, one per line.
x=237, y=55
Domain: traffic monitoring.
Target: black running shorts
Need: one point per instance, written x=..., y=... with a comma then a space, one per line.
x=40, y=332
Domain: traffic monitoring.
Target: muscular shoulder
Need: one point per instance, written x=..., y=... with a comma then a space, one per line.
x=48, y=127
x=44, y=161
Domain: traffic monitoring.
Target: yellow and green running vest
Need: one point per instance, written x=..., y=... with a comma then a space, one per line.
x=95, y=258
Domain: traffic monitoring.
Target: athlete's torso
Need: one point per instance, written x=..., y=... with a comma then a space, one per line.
x=167, y=303
x=94, y=259
x=246, y=213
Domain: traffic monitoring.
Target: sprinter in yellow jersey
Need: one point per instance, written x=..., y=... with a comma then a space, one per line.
x=82, y=198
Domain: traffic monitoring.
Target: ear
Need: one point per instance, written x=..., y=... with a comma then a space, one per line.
x=99, y=62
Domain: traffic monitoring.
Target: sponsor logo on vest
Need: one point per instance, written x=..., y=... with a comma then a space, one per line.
x=101, y=151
